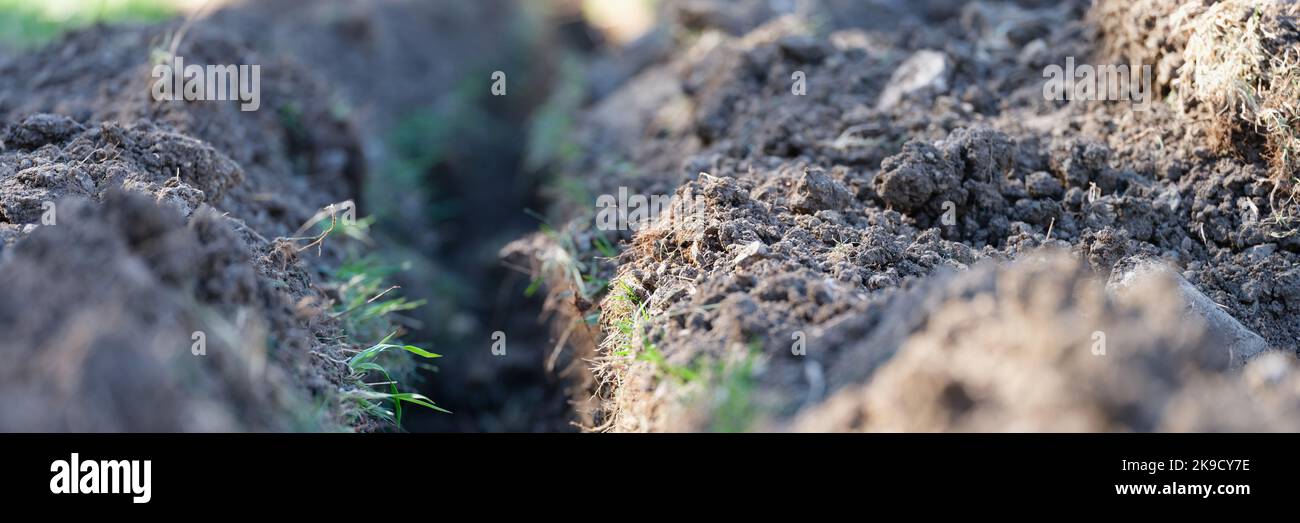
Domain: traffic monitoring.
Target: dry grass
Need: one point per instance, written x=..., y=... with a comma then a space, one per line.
x=1242, y=68
x=1232, y=67
x=1147, y=32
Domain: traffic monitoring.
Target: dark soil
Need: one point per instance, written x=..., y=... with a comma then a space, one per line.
x=882, y=224
x=842, y=216
x=180, y=217
x=165, y=219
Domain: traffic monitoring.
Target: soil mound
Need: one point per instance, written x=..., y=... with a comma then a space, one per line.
x=814, y=231
x=139, y=233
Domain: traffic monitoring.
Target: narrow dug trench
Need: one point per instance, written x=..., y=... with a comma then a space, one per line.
x=878, y=216
x=447, y=183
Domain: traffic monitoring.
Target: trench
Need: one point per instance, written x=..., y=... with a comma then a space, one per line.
x=450, y=185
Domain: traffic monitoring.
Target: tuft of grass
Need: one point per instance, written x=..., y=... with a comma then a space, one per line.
x=721, y=386
x=734, y=409
x=29, y=23
x=576, y=264
x=365, y=298
x=843, y=250
x=630, y=338
x=366, y=307
x=1242, y=62
x=371, y=401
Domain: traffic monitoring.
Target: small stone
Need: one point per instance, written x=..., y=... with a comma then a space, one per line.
x=1241, y=343
x=816, y=191
x=803, y=48
x=751, y=252
x=1268, y=370
x=925, y=68
x=1262, y=251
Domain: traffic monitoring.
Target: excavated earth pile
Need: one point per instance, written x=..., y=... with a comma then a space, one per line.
x=133, y=230
x=920, y=240
x=173, y=265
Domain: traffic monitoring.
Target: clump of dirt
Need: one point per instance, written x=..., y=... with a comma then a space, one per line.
x=295, y=154
x=812, y=233
x=148, y=281
x=115, y=351
x=1037, y=345
x=180, y=170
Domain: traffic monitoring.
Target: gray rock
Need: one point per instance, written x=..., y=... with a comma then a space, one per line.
x=803, y=48
x=1260, y=252
x=924, y=69
x=750, y=253
x=1241, y=343
x=816, y=191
